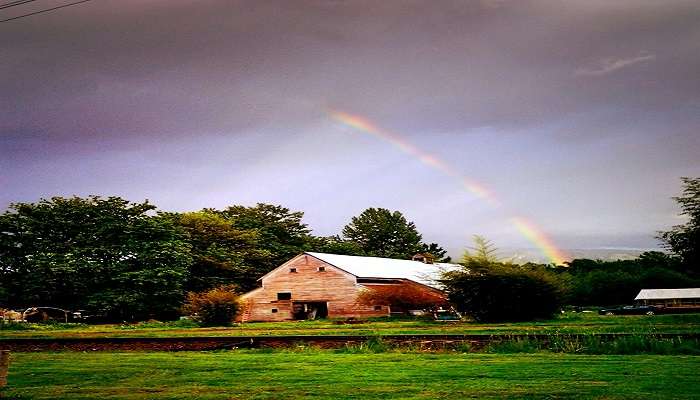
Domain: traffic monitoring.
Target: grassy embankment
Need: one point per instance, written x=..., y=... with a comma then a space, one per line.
x=332, y=375
x=564, y=324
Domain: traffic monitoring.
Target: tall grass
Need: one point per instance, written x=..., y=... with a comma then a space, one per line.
x=594, y=344
x=44, y=326
x=568, y=344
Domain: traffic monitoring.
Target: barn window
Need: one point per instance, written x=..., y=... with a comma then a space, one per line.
x=284, y=296
x=377, y=308
x=292, y=270
x=274, y=310
x=321, y=269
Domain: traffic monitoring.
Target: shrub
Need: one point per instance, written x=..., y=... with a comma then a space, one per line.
x=218, y=306
x=14, y=326
x=506, y=294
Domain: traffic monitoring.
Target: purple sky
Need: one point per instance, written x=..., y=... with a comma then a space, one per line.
x=580, y=115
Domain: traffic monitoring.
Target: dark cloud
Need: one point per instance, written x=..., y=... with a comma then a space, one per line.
x=571, y=77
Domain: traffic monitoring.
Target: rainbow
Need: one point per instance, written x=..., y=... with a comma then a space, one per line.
x=539, y=239
x=362, y=124
x=526, y=228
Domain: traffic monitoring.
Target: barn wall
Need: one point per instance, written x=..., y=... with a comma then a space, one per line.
x=335, y=287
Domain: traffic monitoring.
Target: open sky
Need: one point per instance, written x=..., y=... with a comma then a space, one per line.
x=578, y=116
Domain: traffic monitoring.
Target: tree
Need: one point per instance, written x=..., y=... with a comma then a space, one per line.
x=483, y=251
x=436, y=251
x=684, y=240
x=491, y=290
x=482, y=256
x=102, y=254
x=603, y=283
x=382, y=233
x=281, y=232
x=222, y=254
x=506, y=294
x=336, y=245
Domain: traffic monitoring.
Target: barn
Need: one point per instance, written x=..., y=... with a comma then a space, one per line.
x=688, y=298
x=318, y=285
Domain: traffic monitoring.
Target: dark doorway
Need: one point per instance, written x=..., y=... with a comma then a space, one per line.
x=310, y=310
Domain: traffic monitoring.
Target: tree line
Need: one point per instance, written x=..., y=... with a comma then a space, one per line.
x=129, y=261
x=490, y=289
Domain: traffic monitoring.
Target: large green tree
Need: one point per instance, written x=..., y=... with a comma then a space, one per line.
x=684, y=240
x=336, y=245
x=104, y=254
x=222, y=254
x=383, y=233
x=281, y=232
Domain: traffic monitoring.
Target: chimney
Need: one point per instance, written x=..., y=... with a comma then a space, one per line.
x=425, y=258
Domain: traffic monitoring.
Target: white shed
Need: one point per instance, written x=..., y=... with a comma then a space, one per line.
x=687, y=297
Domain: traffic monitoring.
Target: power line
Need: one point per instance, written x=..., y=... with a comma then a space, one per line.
x=43, y=11
x=15, y=3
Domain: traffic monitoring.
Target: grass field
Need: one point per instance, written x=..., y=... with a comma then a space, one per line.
x=331, y=375
x=566, y=323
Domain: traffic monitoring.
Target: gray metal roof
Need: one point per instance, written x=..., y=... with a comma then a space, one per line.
x=377, y=267
x=663, y=294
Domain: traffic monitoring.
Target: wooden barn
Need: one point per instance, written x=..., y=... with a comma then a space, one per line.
x=319, y=285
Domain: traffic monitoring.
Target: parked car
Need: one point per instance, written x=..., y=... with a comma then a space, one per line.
x=446, y=315
x=629, y=310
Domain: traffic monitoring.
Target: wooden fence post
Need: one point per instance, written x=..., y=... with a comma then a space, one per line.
x=4, y=366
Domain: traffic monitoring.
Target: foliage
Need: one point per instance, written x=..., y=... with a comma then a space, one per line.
x=483, y=252
x=107, y=255
x=383, y=233
x=222, y=254
x=506, y=293
x=374, y=344
x=404, y=296
x=43, y=326
x=218, y=306
x=280, y=233
x=183, y=323
x=596, y=344
x=595, y=282
x=336, y=245
x=439, y=254
x=684, y=240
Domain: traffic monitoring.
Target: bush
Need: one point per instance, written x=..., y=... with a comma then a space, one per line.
x=218, y=306
x=508, y=294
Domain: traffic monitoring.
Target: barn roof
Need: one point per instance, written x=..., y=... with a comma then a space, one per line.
x=662, y=294
x=377, y=267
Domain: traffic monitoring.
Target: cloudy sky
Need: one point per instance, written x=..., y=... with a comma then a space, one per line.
x=579, y=116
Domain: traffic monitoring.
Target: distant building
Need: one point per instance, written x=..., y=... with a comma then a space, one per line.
x=319, y=285
x=669, y=298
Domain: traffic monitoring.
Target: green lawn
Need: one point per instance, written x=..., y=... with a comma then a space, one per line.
x=332, y=375
x=567, y=323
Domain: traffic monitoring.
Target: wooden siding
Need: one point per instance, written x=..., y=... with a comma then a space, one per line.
x=333, y=286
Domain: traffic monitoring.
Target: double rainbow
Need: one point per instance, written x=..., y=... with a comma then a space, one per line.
x=526, y=228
